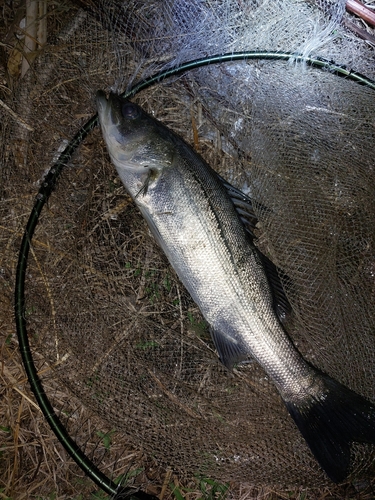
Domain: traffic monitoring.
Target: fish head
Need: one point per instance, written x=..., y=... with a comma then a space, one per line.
x=136, y=142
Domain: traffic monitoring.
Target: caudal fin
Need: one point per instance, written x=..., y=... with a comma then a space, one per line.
x=331, y=422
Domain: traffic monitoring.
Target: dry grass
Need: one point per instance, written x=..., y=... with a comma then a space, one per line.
x=33, y=463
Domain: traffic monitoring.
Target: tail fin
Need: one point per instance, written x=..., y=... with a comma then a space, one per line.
x=331, y=422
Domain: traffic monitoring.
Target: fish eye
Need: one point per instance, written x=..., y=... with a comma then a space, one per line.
x=130, y=111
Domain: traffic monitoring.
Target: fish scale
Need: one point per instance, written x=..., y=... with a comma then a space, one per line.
x=198, y=228
x=192, y=214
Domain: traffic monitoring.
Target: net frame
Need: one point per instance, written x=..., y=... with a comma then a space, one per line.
x=47, y=187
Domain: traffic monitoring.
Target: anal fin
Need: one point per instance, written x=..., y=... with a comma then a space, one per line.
x=230, y=351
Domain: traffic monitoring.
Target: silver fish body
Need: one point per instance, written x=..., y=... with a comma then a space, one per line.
x=193, y=218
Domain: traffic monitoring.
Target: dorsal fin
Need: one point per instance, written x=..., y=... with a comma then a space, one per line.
x=244, y=206
x=281, y=304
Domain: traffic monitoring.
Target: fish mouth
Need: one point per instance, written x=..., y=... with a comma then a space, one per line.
x=104, y=108
x=109, y=116
x=100, y=96
x=109, y=109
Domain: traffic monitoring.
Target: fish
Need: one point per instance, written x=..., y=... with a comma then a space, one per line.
x=205, y=228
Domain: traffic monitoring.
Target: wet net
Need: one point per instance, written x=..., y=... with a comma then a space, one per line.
x=107, y=318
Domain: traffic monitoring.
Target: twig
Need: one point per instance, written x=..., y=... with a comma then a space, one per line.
x=51, y=300
x=14, y=384
x=182, y=330
x=359, y=31
x=172, y=397
x=31, y=33
x=16, y=432
x=166, y=481
x=42, y=25
x=109, y=214
x=16, y=117
x=360, y=10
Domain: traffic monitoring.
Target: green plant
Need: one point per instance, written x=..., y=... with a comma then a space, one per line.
x=199, y=327
x=147, y=344
x=98, y=495
x=210, y=489
x=106, y=437
x=3, y=496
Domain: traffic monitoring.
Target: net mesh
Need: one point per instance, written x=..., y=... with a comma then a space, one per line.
x=103, y=306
